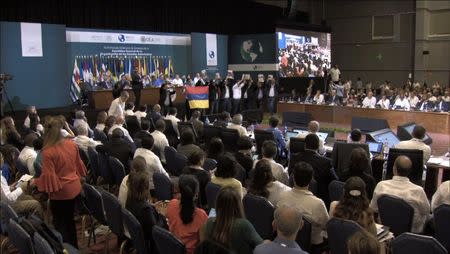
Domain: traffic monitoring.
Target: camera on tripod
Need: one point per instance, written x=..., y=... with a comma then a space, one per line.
x=5, y=77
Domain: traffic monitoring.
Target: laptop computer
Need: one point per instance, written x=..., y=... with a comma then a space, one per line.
x=375, y=147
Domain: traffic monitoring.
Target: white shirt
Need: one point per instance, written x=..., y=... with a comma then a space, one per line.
x=26, y=122
x=272, y=91
x=369, y=103
x=276, y=190
x=27, y=156
x=227, y=92
x=129, y=112
x=334, y=73
x=278, y=171
x=237, y=93
x=139, y=115
x=84, y=142
x=404, y=104
x=415, y=143
x=126, y=134
x=174, y=121
x=303, y=135
x=413, y=101
x=242, y=131
x=177, y=81
x=7, y=194
x=100, y=126
x=153, y=164
x=312, y=207
x=160, y=142
x=318, y=99
x=117, y=108
x=441, y=196
x=123, y=192
x=414, y=195
x=386, y=104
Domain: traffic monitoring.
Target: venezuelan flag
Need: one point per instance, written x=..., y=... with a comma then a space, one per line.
x=197, y=96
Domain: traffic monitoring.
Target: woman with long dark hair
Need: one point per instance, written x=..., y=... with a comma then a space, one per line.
x=185, y=219
x=264, y=184
x=9, y=133
x=230, y=228
x=360, y=166
x=9, y=171
x=354, y=205
x=62, y=170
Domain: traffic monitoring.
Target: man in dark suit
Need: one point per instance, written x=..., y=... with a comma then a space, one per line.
x=440, y=105
x=214, y=94
x=271, y=93
x=323, y=171
x=260, y=92
x=226, y=92
x=119, y=147
x=333, y=99
x=196, y=123
x=137, y=85
x=252, y=95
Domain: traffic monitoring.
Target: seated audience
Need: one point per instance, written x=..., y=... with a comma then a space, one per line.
x=269, y=151
x=38, y=144
x=226, y=172
x=370, y=101
x=9, y=133
x=333, y=99
x=138, y=165
x=310, y=206
x=236, y=124
x=273, y=122
x=144, y=131
x=110, y=121
x=155, y=115
x=230, y=228
x=400, y=186
x=195, y=163
x=362, y=242
x=119, y=125
x=416, y=142
x=187, y=140
x=172, y=116
x=31, y=113
x=441, y=106
x=384, y=102
x=322, y=166
x=313, y=128
x=129, y=107
x=28, y=155
x=101, y=120
x=354, y=205
x=215, y=148
x=80, y=118
x=441, y=196
x=185, y=219
x=9, y=169
x=223, y=120
x=265, y=185
x=82, y=140
x=244, y=154
x=153, y=164
x=287, y=221
x=198, y=125
x=118, y=147
x=360, y=166
x=413, y=99
x=318, y=98
x=141, y=112
x=32, y=122
x=401, y=102
x=160, y=139
x=355, y=137
x=15, y=196
x=117, y=107
x=66, y=131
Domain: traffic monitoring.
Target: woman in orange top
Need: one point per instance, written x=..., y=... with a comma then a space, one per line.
x=185, y=219
x=62, y=169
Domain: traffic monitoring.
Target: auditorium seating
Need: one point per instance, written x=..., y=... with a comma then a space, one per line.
x=136, y=232
x=94, y=204
x=395, y=213
x=416, y=157
x=113, y=216
x=441, y=217
x=304, y=235
x=260, y=137
x=409, y=243
x=20, y=238
x=166, y=242
x=341, y=155
x=339, y=231
x=229, y=139
x=212, y=190
x=336, y=190
x=259, y=211
x=163, y=186
x=117, y=169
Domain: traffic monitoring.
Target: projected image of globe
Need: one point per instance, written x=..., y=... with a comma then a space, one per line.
x=250, y=50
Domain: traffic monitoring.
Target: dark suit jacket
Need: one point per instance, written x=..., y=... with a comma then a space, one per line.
x=136, y=82
x=155, y=116
x=213, y=91
x=323, y=171
x=334, y=100
x=267, y=90
x=119, y=148
x=230, y=89
x=198, y=127
x=245, y=161
x=162, y=96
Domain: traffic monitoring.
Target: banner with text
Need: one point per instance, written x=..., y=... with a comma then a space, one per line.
x=211, y=49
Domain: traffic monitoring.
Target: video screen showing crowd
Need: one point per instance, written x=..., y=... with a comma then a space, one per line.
x=410, y=96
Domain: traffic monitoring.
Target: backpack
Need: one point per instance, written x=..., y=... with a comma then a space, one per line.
x=34, y=225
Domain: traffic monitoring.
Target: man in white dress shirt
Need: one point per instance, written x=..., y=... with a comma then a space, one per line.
x=269, y=151
x=319, y=98
x=119, y=124
x=384, y=102
x=417, y=143
x=400, y=187
x=335, y=74
x=370, y=101
x=177, y=80
x=172, y=116
x=82, y=139
x=28, y=155
x=117, y=107
x=236, y=123
x=401, y=102
x=160, y=139
x=237, y=95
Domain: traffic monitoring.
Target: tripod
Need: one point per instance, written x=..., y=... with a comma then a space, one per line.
x=3, y=92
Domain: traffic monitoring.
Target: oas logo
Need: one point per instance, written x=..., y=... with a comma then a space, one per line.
x=121, y=37
x=211, y=54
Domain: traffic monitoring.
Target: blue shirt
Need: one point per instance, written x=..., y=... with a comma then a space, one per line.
x=6, y=172
x=279, y=137
x=159, y=82
x=279, y=246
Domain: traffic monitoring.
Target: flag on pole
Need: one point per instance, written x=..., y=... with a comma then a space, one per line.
x=197, y=96
x=74, y=88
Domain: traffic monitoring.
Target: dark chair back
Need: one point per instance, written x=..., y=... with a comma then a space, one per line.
x=212, y=190
x=296, y=145
x=260, y=137
x=187, y=125
x=104, y=168
x=84, y=157
x=210, y=132
x=339, y=231
x=171, y=134
x=133, y=125
x=41, y=245
x=294, y=119
x=341, y=155
x=166, y=242
x=7, y=213
x=304, y=236
x=416, y=157
x=336, y=190
x=441, y=217
x=409, y=243
x=163, y=186
x=209, y=164
x=22, y=168
x=170, y=154
x=396, y=214
x=20, y=238
x=93, y=162
x=113, y=213
x=94, y=203
x=259, y=212
x=100, y=136
x=117, y=169
x=229, y=139
x=179, y=163
x=136, y=232
x=252, y=116
x=211, y=247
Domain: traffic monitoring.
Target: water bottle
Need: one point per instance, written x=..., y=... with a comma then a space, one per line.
x=207, y=121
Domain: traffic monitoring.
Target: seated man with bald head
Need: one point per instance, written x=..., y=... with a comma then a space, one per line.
x=400, y=187
x=236, y=123
x=119, y=125
x=287, y=221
